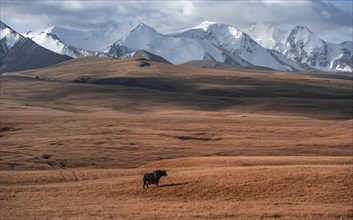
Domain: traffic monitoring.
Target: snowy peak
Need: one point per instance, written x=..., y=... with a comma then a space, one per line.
x=311, y=52
x=258, y=28
x=20, y=53
x=215, y=29
x=139, y=35
x=57, y=29
x=51, y=29
x=5, y=30
x=141, y=25
x=237, y=46
x=301, y=28
x=303, y=46
x=142, y=28
x=267, y=35
x=8, y=37
x=88, y=40
x=272, y=37
x=262, y=44
x=204, y=25
x=48, y=39
x=112, y=32
x=175, y=50
x=307, y=39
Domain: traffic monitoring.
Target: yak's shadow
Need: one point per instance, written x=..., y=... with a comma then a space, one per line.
x=173, y=184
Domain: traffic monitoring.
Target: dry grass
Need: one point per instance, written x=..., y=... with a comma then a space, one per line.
x=214, y=187
x=111, y=139
x=76, y=139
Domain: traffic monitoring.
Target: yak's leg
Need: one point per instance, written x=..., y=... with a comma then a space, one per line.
x=145, y=184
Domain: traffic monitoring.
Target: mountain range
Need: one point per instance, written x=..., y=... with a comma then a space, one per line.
x=304, y=47
x=262, y=45
x=20, y=53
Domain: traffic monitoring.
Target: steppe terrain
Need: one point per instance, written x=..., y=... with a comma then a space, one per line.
x=214, y=187
x=76, y=139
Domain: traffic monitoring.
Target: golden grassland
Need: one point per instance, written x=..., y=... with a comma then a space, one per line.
x=256, y=187
x=77, y=138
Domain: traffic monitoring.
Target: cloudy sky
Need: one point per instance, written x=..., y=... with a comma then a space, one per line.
x=331, y=20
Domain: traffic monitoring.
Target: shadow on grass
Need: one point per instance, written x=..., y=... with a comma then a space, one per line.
x=174, y=184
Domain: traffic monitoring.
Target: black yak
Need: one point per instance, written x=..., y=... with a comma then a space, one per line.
x=153, y=178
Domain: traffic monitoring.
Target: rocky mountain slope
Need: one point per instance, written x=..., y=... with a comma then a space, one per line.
x=20, y=53
x=237, y=47
x=304, y=47
x=262, y=45
x=52, y=42
x=175, y=50
x=91, y=40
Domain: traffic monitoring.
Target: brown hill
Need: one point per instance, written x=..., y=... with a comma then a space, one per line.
x=145, y=55
x=76, y=139
x=124, y=115
x=298, y=94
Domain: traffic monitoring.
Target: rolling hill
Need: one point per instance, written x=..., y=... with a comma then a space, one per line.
x=77, y=138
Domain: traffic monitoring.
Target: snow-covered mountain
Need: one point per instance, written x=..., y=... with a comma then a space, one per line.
x=8, y=38
x=237, y=46
x=91, y=40
x=347, y=44
x=20, y=53
x=304, y=47
x=51, y=42
x=267, y=35
x=261, y=45
x=175, y=50
x=207, y=41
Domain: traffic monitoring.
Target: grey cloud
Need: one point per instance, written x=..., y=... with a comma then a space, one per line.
x=168, y=16
x=318, y=16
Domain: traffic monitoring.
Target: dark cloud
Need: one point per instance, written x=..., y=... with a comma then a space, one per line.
x=326, y=18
